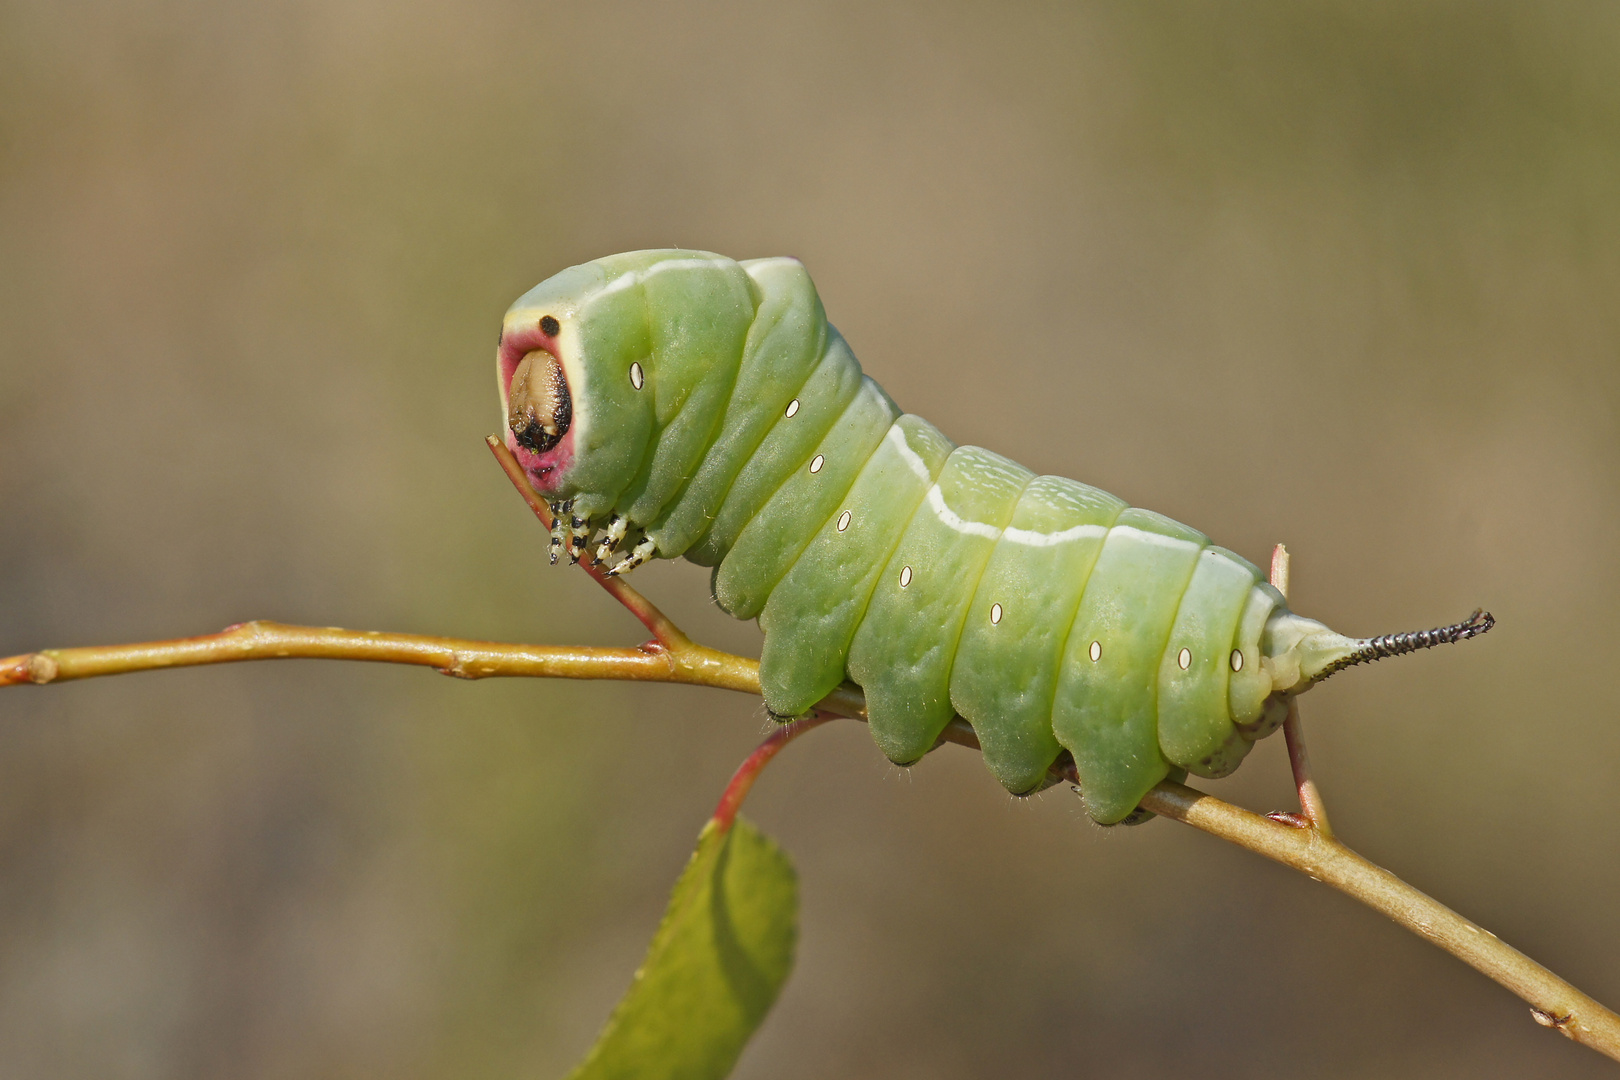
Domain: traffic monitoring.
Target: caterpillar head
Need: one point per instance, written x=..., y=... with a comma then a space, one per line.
x=611, y=375
x=570, y=371
x=537, y=402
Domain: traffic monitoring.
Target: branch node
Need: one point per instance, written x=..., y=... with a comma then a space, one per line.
x=41, y=669
x=456, y=668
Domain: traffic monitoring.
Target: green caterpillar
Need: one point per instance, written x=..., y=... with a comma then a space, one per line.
x=675, y=403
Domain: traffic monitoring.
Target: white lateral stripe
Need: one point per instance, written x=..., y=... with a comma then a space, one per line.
x=1156, y=538
x=1027, y=537
x=1040, y=539
x=762, y=264
x=907, y=454
x=936, y=499
x=952, y=520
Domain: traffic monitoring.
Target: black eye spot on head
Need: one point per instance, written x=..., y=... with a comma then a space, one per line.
x=549, y=326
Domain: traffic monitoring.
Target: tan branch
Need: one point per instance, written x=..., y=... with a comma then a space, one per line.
x=672, y=657
x=1553, y=1002
x=460, y=657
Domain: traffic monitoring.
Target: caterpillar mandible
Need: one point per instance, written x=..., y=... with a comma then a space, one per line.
x=674, y=402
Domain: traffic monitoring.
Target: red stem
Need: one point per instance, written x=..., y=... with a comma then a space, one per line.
x=1310, y=797
x=743, y=779
x=666, y=632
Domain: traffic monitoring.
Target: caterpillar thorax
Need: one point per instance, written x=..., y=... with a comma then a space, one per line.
x=676, y=403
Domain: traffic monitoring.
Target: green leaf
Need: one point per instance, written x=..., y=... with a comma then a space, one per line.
x=718, y=961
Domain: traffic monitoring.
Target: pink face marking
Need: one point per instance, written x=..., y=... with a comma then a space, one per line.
x=545, y=471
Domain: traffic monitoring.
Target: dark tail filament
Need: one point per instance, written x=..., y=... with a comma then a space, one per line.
x=1395, y=644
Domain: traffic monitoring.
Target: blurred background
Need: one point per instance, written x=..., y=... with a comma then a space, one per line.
x=1340, y=274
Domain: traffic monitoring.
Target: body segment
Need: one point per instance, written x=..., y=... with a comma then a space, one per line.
x=1195, y=669
x=1005, y=676
x=1105, y=713
x=814, y=611
x=905, y=647
x=781, y=528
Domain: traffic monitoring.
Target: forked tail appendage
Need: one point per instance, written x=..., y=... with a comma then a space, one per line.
x=1370, y=649
x=1300, y=652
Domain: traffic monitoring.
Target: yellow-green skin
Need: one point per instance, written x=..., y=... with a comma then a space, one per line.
x=943, y=580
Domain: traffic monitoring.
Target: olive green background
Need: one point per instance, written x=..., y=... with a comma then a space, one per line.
x=1339, y=274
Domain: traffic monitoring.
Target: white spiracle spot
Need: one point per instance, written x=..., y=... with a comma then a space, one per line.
x=843, y=521
x=636, y=377
x=1096, y=651
x=815, y=465
x=1237, y=659
x=793, y=407
x=995, y=614
x=1184, y=658
x=905, y=576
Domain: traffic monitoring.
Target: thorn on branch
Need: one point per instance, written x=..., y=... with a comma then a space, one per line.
x=1290, y=818
x=1547, y=1019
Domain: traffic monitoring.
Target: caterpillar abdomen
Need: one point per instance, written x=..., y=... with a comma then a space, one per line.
x=685, y=404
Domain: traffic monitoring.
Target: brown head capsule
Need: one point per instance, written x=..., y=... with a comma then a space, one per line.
x=538, y=408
